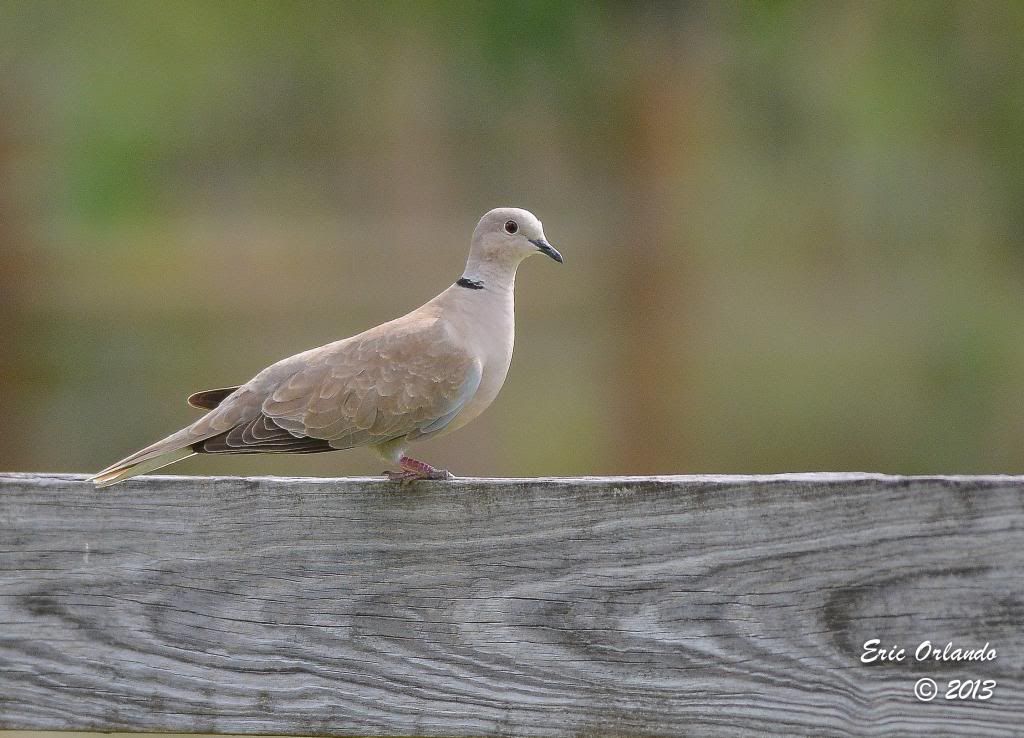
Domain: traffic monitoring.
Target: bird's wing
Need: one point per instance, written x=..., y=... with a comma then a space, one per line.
x=209, y=399
x=406, y=378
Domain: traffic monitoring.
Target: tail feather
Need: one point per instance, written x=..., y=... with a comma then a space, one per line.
x=175, y=447
x=126, y=470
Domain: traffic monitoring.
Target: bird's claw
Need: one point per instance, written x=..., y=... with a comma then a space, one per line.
x=407, y=476
x=413, y=470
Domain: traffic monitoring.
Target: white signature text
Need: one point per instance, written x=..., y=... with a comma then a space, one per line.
x=926, y=651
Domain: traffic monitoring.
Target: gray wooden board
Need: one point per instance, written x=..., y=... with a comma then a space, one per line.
x=546, y=607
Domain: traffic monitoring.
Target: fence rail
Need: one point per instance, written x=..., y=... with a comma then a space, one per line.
x=543, y=607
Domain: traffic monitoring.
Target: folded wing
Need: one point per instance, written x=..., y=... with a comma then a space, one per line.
x=390, y=382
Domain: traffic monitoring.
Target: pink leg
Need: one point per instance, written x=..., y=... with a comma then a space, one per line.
x=413, y=469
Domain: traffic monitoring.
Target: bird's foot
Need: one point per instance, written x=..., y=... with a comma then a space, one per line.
x=413, y=470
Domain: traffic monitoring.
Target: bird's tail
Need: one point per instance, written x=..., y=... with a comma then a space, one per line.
x=173, y=448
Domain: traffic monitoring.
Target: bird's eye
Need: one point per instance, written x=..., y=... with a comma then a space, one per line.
x=511, y=226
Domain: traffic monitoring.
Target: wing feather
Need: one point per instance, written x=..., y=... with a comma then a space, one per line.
x=378, y=386
x=392, y=381
x=209, y=399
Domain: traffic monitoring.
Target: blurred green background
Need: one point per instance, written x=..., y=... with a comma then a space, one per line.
x=793, y=231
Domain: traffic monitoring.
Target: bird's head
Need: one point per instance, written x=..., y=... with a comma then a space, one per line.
x=509, y=235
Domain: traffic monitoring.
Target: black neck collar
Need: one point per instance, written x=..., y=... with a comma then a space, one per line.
x=470, y=284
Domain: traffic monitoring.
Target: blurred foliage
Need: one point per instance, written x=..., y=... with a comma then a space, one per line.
x=793, y=230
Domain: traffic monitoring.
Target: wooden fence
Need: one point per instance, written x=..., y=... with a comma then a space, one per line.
x=647, y=606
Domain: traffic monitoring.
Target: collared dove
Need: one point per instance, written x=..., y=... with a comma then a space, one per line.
x=415, y=377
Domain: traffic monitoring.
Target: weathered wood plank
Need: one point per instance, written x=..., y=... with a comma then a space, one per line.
x=547, y=607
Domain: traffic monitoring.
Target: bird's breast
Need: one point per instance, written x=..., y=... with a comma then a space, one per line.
x=492, y=342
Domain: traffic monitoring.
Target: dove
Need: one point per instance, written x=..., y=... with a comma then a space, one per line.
x=419, y=376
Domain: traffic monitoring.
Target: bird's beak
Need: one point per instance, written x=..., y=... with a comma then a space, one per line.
x=545, y=248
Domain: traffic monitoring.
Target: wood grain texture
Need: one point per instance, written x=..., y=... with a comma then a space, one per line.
x=543, y=607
